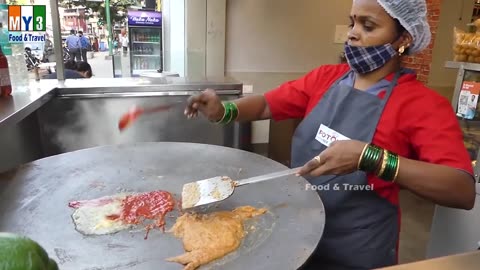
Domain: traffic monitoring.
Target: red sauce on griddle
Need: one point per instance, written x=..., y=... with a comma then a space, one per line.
x=151, y=205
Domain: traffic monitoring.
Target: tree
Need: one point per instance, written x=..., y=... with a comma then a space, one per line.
x=118, y=8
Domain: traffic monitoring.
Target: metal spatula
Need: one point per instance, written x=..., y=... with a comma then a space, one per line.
x=221, y=187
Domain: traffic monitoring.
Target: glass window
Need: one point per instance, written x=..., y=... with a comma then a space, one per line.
x=128, y=49
x=24, y=44
x=135, y=46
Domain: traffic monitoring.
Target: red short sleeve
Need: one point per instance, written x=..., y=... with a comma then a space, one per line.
x=294, y=99
x=435, y=134
x=290, y=99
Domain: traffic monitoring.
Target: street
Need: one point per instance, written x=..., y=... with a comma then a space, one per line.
x=101, y=67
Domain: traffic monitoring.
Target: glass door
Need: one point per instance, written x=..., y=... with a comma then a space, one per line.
x=146, y=50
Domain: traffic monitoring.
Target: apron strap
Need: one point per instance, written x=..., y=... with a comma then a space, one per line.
x=391, y=86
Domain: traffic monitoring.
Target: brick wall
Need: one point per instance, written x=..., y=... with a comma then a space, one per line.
x=421, y=62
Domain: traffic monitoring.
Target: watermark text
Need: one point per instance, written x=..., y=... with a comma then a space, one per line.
x=340, y=187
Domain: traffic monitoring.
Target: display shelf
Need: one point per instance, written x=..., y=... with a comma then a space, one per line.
x=146, y=55
x=145, y=42
x=465, y=65
x=476, y=11
x=468, y=76
x=138, y=72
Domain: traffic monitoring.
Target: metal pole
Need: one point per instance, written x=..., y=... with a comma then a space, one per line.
x=57, y=40
x=109, y=26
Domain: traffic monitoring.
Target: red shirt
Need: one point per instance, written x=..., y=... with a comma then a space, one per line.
x=417, y=122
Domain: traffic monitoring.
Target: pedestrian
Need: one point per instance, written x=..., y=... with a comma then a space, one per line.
x=115, y=45
x=124, y=42
x=73, y=45
x=369, y=129
x=84, y=45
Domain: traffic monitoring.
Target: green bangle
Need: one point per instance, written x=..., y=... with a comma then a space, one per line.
x=365, y=158
x=370, y=159
x=230, y=112
x=228, y=117
x=376, y=159
x=367, y=161
x=234, y=111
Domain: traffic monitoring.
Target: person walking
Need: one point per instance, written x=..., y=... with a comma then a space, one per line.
x=124, y=42
x=84, y=45
x=73, y=46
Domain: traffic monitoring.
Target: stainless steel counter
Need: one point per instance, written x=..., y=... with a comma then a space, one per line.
x=26, y=98
x=466, y=261
x=50, y=117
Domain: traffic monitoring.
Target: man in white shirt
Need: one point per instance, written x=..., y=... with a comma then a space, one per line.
x=124, y=42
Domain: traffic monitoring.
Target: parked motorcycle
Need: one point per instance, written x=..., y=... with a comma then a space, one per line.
x=31, y=60
x=66, y=54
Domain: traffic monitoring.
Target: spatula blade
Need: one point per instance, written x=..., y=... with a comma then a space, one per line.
x=207, y=191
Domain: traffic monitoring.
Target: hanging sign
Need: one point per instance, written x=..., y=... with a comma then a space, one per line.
x=144, y=18
x=468, y=99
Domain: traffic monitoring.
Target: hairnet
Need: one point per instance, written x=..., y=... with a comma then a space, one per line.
x=412, y=15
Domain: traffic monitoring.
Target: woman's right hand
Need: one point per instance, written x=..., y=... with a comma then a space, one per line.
x=207, y=103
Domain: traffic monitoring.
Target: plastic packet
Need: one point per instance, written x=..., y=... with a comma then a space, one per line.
x=466, y=46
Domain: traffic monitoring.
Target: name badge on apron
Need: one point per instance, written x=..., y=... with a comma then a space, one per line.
x=326, y=135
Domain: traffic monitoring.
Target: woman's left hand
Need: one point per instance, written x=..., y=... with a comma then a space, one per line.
x=341, y=157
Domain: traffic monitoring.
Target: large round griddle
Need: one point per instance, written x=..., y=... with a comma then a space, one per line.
x=34, y=202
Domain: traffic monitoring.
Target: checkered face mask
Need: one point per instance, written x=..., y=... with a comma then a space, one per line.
x=367, y=59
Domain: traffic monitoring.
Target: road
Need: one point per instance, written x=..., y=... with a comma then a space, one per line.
x=101, y=67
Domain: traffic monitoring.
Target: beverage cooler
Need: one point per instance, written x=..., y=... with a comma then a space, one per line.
x=145, y=41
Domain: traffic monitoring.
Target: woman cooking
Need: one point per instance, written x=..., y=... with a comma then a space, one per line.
x=370, y=124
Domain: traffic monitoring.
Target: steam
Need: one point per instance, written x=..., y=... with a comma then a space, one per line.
x=94, y=122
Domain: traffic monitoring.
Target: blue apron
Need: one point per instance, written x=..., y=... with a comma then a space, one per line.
x=361, y=229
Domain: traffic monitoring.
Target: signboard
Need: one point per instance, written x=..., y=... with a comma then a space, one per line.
x=468, y=100
x=144, y=18
x=27, y=18
x=27, y=23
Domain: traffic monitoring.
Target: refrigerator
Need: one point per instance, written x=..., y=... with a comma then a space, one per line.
x=145, y=41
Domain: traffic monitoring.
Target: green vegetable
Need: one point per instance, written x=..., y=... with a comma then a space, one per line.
x=21, y=253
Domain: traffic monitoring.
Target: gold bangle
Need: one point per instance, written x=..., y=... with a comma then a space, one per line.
x=384, y=162
x=398, y=168
x=224, y=114
x=361, y=156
